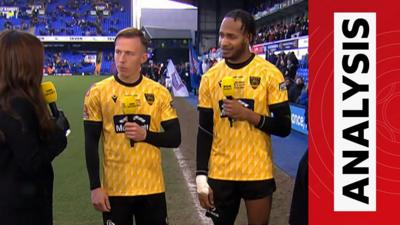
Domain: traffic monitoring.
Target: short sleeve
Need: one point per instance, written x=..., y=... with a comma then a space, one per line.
x=276, y=88
x=91, y=105
x=168, y=111
x=204, y=94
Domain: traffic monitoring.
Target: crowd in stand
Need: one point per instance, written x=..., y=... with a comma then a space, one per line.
x=288, y=63
x=55, y=64
x=295, y=84
x=262, y=8
x=58, y=17
x=269, y=33
x=58, y=63
x=277, y=30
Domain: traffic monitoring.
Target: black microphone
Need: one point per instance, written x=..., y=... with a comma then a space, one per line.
x=228, y=88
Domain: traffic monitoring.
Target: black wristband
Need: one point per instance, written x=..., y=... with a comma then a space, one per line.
x=261, y=122
x=201, y=172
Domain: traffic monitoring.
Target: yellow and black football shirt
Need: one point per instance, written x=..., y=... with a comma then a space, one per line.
x=242, y=152
x=129, y=171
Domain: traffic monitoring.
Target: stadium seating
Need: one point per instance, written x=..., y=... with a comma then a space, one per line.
x=58, y=19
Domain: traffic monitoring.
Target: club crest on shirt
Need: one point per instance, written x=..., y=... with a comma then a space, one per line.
x=149, y=98
x=255, y=82
x=114, y=98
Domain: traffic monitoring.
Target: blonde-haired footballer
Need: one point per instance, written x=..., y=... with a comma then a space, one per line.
x=132, y=182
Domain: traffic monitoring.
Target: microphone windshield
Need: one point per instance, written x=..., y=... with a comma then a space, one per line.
x=228, y=86
x=128, y=104
x=49, y=92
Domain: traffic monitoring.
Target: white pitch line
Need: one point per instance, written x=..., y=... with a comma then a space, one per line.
x=192, y=186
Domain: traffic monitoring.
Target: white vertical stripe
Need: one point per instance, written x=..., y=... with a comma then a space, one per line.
x=192, y=186
x=342, y=202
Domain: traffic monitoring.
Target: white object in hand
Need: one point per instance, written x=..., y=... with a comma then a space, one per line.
x=202, y=184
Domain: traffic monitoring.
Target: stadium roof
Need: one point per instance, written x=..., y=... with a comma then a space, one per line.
x=190, y=2
x=161, y=33
x=166, y=4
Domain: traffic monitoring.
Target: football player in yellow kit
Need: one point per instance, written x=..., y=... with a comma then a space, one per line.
x=234, y=154
x=132, y=182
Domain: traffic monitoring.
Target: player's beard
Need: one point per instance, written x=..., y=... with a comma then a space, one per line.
x=237, y=54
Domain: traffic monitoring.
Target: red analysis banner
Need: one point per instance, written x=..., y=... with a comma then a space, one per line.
x=354, y=135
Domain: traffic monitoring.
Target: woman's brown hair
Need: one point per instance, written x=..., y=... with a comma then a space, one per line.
x=21, y=73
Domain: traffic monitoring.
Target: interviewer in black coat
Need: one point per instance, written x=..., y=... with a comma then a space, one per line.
x=29, y=137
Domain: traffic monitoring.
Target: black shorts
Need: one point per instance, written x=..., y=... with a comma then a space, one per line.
x=227, y=196
x=299, y=208
x=147, y=209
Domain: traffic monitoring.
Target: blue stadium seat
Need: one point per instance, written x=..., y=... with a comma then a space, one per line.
x=59, y=22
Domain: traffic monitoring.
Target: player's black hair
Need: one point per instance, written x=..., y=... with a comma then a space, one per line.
x=248, y=22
